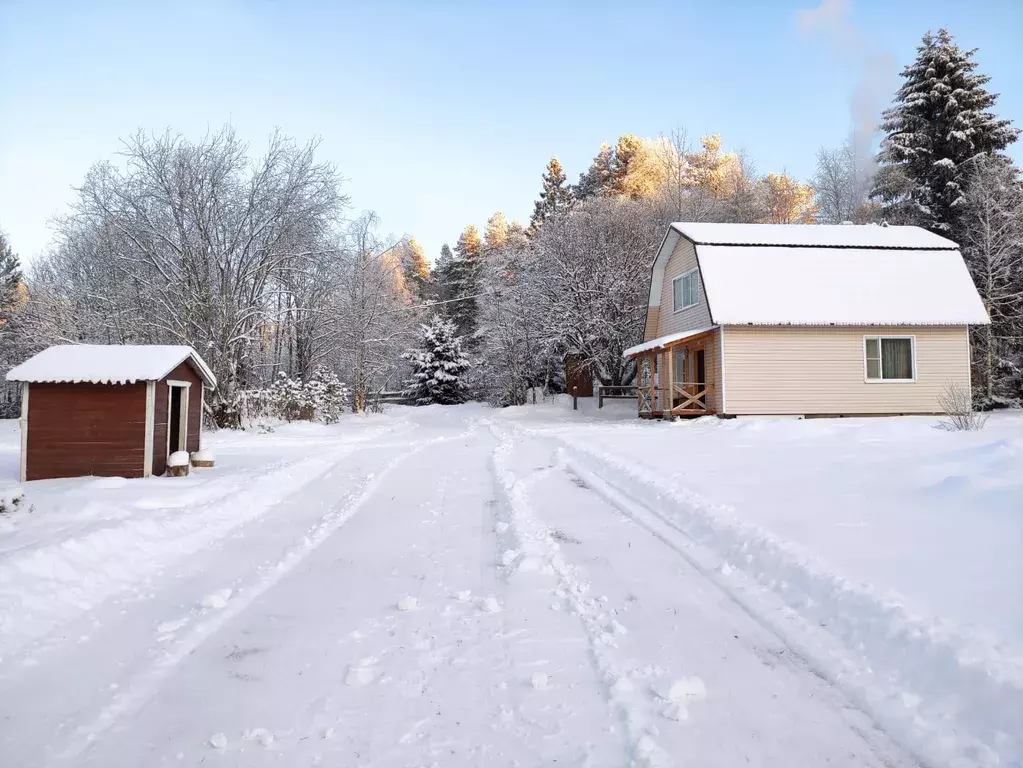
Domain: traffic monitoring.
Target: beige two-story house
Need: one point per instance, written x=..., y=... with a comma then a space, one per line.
x=748, y=319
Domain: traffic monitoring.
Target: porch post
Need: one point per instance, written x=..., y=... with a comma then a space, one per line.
x=671, y=383
x=653, y=382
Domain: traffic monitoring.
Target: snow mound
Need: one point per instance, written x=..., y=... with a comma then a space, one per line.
x=679, y=695
x=408, y=603
x=218, y=741
x=463, y=596
x=259, y=735
x=217, y=600
x=539, y=681
x=178, y=459
x=490, y=604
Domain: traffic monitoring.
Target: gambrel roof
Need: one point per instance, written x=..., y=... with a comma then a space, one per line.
x=779, y=274
x=108, y=364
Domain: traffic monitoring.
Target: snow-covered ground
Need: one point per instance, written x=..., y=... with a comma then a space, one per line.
x=464, y=586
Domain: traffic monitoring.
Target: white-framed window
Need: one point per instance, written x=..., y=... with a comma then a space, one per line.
x=685, y=290
x=889, y=358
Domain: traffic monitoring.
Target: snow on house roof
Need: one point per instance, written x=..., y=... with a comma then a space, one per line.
x=790, y=274
x=809, y=235
x=662, y=341
x=107, y=364
x=838, y=286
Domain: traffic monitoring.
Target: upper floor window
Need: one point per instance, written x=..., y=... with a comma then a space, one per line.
x=890, y=358
x=686, y=290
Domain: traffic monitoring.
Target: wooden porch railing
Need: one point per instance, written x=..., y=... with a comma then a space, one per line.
x=614, y=392
x=689, y=398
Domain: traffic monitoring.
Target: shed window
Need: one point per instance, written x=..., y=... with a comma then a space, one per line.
x=686, y=290
x=890, y=358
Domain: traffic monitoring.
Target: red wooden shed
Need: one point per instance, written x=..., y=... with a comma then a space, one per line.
x=114, y=410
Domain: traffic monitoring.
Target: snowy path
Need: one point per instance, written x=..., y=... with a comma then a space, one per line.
x=457, y=596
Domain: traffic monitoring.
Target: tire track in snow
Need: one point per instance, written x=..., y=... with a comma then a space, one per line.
x=539, y=550
x=821, y=653
x=146, y=684
x=76, y=574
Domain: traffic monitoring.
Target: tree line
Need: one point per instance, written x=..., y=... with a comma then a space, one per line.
x=574, y=280
x=254, y=259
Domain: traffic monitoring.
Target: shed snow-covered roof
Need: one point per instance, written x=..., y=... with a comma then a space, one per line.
x=782, y=274
x=107, y=364
x=810, y=235
x=838, y=286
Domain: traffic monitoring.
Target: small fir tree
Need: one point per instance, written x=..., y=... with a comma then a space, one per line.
x=940, y=122
x=438, y=366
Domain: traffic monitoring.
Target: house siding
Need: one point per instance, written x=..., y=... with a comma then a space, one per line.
x=653, y=315
x=184, y=372
x=820, y=370
x=85, y=429
x=682, y=259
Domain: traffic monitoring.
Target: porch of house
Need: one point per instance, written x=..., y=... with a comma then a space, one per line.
x=677, y=378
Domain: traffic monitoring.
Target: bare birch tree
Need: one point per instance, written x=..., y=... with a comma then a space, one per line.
x=992, y=234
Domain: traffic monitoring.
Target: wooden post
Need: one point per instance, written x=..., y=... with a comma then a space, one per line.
x=575, y=399
x=600, y=396
x=671, y=382
x=653, y=382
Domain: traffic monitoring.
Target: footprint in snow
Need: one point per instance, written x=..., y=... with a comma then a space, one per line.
x=362, y=673
x=679, y=695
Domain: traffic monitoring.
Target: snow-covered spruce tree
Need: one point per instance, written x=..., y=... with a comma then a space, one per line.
x=438, y=366
x=940, y=122
x=330, y=394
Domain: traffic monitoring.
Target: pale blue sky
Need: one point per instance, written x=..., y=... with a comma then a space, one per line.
x=440, y=113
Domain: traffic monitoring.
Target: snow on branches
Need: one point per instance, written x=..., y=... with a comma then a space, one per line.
x=438, y=366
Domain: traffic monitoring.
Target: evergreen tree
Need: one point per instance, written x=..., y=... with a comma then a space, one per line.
x=438, y=366
x=598, y=181
x=940, y=122
x=495, y=236
x=467, y=266
x=627, y=149
x=415, y=271
x=10, y=274
x=442, y=276
x=555, y=198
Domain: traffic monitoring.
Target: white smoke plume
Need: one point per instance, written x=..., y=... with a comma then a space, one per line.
x=876, y=73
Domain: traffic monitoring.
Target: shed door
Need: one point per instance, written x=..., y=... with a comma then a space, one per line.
x=177, y=416
x=174, y=418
